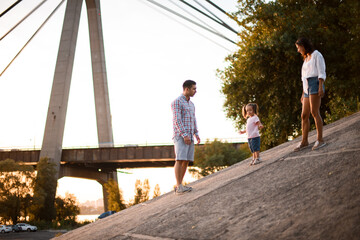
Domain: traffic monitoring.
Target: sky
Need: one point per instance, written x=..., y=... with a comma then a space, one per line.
x=149, y=54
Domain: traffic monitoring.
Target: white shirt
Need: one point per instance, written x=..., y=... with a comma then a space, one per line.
x=315, y=67
x=252, y=129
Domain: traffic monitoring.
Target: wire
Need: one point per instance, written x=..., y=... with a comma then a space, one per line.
x=23, y=19
x=219, y=22
x=219, y=8
x=223, y=23
x=203, y=22
x=4, y=12
x=193, y=22
x=186, y=26
x=62, y=1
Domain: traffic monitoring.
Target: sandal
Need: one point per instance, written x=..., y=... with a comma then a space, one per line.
x=300, y=147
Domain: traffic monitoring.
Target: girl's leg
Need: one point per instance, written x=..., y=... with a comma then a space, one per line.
x=257, y=155
x=315, y=102
x=305, y=121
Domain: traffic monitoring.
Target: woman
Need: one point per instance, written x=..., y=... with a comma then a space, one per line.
x=313, y=77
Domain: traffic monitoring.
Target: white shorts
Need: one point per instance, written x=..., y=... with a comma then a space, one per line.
x=183, y=151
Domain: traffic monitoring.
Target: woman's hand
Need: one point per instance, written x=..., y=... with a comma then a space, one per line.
x=321, y=90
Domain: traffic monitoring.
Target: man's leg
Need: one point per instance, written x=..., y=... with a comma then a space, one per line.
x=179, y=171
x=183, y=169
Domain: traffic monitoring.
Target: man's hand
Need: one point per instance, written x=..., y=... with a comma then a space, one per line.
x=198, y=139
x=187, y=140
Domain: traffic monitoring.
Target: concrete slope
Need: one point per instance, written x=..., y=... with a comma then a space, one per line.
x=302, y=195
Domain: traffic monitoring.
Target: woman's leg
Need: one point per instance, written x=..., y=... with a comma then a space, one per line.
x=315, y=102
x=305, y=121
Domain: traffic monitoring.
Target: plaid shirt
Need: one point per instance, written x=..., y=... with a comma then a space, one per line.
x=184, y=121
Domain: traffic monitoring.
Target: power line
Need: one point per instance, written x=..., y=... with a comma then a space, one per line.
x=193, y=22
x=9, y=8
x=23, y=19
x=62, y=1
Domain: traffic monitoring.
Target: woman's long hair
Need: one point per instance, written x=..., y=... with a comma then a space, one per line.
x=304, y=42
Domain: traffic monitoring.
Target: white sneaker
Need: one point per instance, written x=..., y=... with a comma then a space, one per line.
x=181, y=190
x=257, y=161
x=188, y=188
x=318, y=145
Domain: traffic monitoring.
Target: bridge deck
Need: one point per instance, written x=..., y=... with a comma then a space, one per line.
x=139, y=156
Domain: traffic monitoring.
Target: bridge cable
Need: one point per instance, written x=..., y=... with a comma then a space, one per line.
x=220, y=9
x=23, y=19
x=193, y=22
x=187, y=27
x=224, y=23
x=203, y=22
x=52, y=13
x=9, y=8
x=215, y=20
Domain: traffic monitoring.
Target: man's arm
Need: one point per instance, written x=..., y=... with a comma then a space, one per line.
x=176, y=108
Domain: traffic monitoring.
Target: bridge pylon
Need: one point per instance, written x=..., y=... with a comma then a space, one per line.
x=55, y=122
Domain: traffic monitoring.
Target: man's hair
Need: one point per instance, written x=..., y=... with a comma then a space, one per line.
x=188, y=84
x=306, y=43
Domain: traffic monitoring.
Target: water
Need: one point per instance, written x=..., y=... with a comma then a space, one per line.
x=82, y=218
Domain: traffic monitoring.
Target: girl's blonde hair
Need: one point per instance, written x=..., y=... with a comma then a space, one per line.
x=254, y=106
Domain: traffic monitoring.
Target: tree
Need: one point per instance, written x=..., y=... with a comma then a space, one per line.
x=266, y=69
x=43, y=207
x=67, y=209
x=157, y=191
x=115, y=196
x=142, y=191
x=216, y=155
x=16, y=182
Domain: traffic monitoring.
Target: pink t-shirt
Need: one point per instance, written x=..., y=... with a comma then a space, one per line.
x=252, y=129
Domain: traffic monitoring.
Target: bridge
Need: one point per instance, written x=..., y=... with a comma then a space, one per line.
x=99, y=164
x=104, y=158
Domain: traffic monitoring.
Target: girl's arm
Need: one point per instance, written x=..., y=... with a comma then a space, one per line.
x=259, y=124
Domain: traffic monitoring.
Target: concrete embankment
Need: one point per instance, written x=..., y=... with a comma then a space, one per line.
x=290, y=195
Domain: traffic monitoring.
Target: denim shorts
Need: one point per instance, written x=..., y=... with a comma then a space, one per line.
x=183, y=151
x=254, y=144
x=313, y=83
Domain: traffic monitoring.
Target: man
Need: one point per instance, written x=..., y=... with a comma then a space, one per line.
x=185, y=128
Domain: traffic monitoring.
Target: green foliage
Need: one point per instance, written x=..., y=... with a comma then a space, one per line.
x=267, y=68
x=339, y=107
x=43, y=207
x=67, y=209
x=157, y=191
x=216, y=155
x=142, y=192
x=115, y=199
x=16, y=182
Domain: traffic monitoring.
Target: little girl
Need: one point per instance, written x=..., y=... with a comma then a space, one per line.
x=253, y=125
